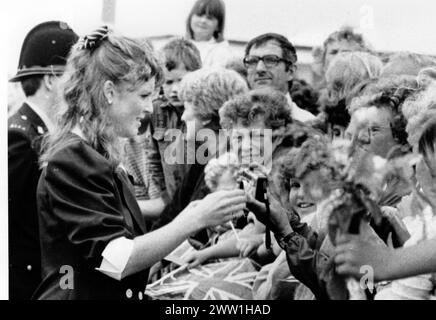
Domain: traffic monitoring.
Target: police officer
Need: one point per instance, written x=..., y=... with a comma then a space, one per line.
x=42, y=61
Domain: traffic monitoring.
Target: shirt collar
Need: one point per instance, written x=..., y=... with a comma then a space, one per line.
x=290, y=101
x=297, y=113
x=41, y=113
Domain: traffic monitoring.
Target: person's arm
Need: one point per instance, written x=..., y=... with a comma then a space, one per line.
x=215, y=209
x=227, y=248
x=281, y=221
x=353, y=252
x=151, y=209
x=224, y=249
x=81, y=193
x=306, y=263
x=181, y=197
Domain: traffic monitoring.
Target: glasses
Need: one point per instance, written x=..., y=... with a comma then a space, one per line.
x=269, y=60
x=368, y=133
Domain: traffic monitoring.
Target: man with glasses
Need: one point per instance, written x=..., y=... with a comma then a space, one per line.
x=270, y=60
x=42, y=61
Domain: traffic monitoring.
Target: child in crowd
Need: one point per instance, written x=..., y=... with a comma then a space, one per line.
x=179, y=57
x=227, y=241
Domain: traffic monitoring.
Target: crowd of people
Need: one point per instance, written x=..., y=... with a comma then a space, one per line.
x=122, y=155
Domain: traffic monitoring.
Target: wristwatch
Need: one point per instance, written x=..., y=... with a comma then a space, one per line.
x=283, y=241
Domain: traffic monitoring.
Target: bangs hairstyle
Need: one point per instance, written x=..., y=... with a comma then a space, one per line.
x=116, y=58
x=286, y=169
x=391, y=94
x=212, y=8
x=272, y=104
x=312, y=155
x=180, y=51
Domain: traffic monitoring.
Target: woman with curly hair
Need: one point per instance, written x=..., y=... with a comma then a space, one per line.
x=309, y=249
x=353, y=251
x=378, y=126
x=94, y=241
x=203, y=93
x=263, y=113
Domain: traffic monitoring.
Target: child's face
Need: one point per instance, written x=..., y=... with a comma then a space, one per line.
x=299, y=200
x=172, y=83
x=203, y=27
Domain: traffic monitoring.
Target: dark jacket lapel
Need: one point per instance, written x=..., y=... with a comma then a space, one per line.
x=130, y=200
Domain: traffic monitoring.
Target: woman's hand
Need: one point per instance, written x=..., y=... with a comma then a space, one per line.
x=196, y=258
x=354, y=252
x=215, y=209
x=248, y=246
x=277, y=220
x=399, y=227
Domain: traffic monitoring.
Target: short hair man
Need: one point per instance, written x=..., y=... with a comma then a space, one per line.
x=42, y=60
x=270, y=60
x=343, y=40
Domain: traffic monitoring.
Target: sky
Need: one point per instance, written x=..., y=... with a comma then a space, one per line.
x=388, y=24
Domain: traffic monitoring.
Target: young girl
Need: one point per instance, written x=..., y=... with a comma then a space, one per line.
x=205, y=27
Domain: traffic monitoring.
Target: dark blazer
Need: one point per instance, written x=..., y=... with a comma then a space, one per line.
x=84, y=202
x=25, y=131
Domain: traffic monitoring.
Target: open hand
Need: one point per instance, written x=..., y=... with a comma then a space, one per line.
x=248, y=246
x=215, y=209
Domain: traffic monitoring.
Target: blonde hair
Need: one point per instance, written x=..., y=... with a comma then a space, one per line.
x=217, y=166
x=348, y=69
x=407, y=63
x=208, y=89
x=115, y=58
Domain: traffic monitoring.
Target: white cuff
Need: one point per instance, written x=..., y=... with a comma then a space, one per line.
x=115, y=257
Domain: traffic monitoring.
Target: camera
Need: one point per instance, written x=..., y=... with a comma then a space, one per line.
x=255, y=183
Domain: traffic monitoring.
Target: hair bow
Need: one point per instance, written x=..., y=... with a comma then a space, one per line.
x=93, y=40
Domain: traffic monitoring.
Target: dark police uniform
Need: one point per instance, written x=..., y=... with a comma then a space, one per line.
x=44, y=52
x=25, y=132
